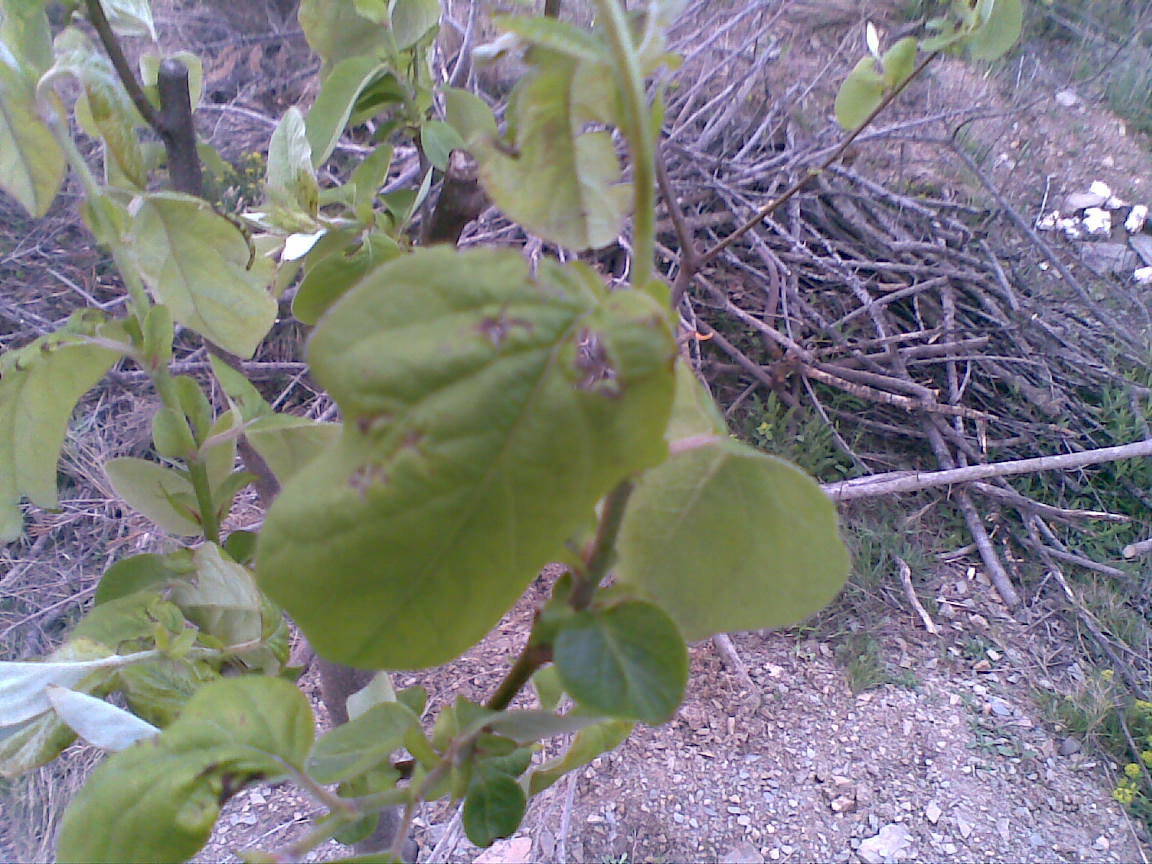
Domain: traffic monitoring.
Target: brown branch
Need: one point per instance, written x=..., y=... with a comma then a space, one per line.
x=178, y=129
x=903, y=481
x=461, y=201
x=797, y=187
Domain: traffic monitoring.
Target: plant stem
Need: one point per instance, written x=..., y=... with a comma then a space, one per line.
x=123, y=68
x=603, y=551
x=209, y=523
x=637, y=127
x=530, y=659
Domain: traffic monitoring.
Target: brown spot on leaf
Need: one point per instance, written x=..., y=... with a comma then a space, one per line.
x=497, y=328
x=595, y=366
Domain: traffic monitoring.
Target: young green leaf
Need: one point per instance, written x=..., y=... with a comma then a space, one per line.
x=337, y=30
x=469, y=115
x=40, y=385
x=486, y=411
x=99, y=723
x=331, y=275
x=438, y=140
x=361, y=744
x=412, y=20
x=627, y=661
x=32, y=165
x=291, y=183
x=494, y=807
x=221, y=598
x=158, y=800
x=899, y=62
x=528, y=726
x=375, y=692
x=1003, y=21
x=751, y=533
x=586, y=746
x=199, y=264
x=156, y=492
x=333, y=106
x=556, y=35
x=138, y=572
x=562, y=182
x=860, y=94
x=289, y=443
x=130, y=17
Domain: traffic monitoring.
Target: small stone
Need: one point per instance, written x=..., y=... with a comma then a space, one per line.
x=744, y=820
x=1069, y=746
x=1000, y=708
x=1142, y=246
x=843, y=804
x=963, y=825
x=886, y=845
x=950, y=848
x=1067, y=99
x=1083, y=200
x=933, y=812
x=1101, y=844
x=742, y=853
x=1108, y=257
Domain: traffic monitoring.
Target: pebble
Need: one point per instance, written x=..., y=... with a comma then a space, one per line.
x=933, y=812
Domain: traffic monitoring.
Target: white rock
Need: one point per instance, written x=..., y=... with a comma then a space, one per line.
x=1137, y=217
x=933, y=812
x=1049, y=221
x=1099, y=187
x=1097, y=222
x=1143, y=276
x=885, y=846
x=1067, y=99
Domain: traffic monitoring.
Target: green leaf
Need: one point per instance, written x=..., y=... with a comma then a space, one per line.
x=170, y=434
x=130, y=623
x=291, y=183
x=899, y=62
x=627, y=661
x=138, y=572
x=694, y=412
x=159, y=690
x=860, y=94
x=549, y=690
x=412, y=20
x=562, y=183
x=527, y=726
x=438, y=140
x=40, y=385
x=158, y=800
x=556, y=35
x=586, y=746
x=289, y=443
x=198, y=264
x=33, y=743
x=376, y=691
x=493, y=809
x=25, y=31
x=130, y=17
x=478, y=436
x=221, y=598
x=751, y=533
x=469, y=115
x=154, y=491
x=194, y=404
x=336, y=30
x=333, y=106
x=1003, y=21
x=330, y=277
x=99, y=723
x=32, y=165
x=368, y=177
x=242, y=395
x=361, y=744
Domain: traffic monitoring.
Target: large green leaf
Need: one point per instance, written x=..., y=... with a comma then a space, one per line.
x=40, y=385
x=337, y=266
x=32, y=165
x=25, y=31
x=486, y=411
x=333, y=106
x=860, y=94
x=627, y=661
x=137, y=572
x=725, y=538
x=161, y=494
x=560, y=181
x=200, y=266
x=412, y=20
x=1003, y=20
x=158, y=800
